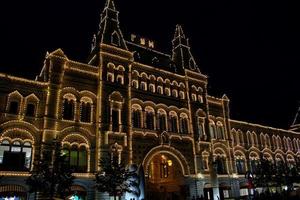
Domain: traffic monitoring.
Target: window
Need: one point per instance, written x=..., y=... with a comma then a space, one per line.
x=110, y=77
x=143, y=86
x=160, y=89
x=220, y=165
x=200, y=128
x=212, y=130
x=253, y=164
x=167, y=91
x=184, y=126
x=13, y=107
x=174, y=93
x=240, y=165
x=68, y=109
x=220, y=132
x=136, y=119
x=173, y=124
x=120, y=79
x=152, y=88
x=85, y=112
x=135, y=84
x=76, y=158
x=115, y=120
x=30, y=110
x=194, y=97
x=181, y=95
x=162, y=122
x=15, y=156
x=149, y=120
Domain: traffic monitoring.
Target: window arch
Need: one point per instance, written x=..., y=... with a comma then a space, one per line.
x=162, y=120
x=14, y=103
x=149, y=118
x=194, y=97
x=76, y=157
x=31, y=102
x=220, y=131
x=136, y=116
x=181, y=95
x=212, y=129
x=220, y=162
x=167, y=91
x=85, y=110
x=152, y=87
x=120, y=79
x=160, y=90
x=135, y=84
x=240, y=163
x=184, y=124
x=116, y=104
x=69, y=102
x=173, y=122
x=143, y=85
x=175, y=93
x=15, y=156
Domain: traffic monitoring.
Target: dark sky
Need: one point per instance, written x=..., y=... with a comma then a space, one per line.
x=249, y=49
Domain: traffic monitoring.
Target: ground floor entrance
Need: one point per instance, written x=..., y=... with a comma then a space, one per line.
x=165, y=179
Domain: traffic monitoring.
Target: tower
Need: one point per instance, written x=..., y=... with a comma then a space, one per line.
x=181, y=53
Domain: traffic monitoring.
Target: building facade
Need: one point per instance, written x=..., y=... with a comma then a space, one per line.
x=149, y=107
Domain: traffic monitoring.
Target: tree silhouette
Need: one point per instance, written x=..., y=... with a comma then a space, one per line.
x=115, y=179
x=52, y=176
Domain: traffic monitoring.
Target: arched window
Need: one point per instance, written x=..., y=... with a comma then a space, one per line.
x=30, y=110
x=220, y=131
x=150, y=120
x=200, y=130
x=220, y=165
x=174, y=93
x=254, y=162
x=184, y=125
x=173, y=124
x=212, y=130
x=152, y=88
x=76, y=158
x=167, y=91
x=162, y=121
x=143, y=86
x=120, y=79
x=181, y=95
x=160, y=90
x=85, y=112
x=15, y=156
x=110, y=77
x=135, y=84
x=13, y=107
x=194, y=97
x=116, y=105
x=136, y=119
x=240, y=165
x=68, y=109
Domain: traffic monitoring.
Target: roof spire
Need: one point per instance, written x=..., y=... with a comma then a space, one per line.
x=181, y=53
x=109, y=31
x=110, y=4
x=179, y=32
x=296, y=123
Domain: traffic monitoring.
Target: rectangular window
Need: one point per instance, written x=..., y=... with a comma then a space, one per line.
x=115, y=120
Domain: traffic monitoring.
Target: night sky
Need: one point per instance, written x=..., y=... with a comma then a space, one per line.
x=250, y=50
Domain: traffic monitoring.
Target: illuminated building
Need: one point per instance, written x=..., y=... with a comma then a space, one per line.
x=150, y=107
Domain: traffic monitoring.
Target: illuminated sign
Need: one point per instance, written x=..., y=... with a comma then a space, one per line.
x=142, y=41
